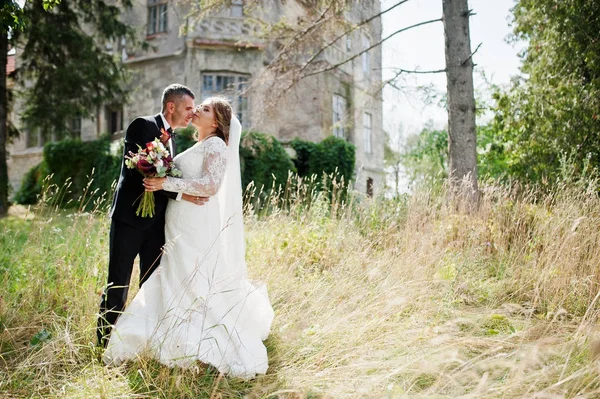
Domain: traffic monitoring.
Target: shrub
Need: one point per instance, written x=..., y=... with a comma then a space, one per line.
x=73, y=161
x=332, y=155
x=263, y=160
x=31, y=186
x=304, y=151
x=184, y=139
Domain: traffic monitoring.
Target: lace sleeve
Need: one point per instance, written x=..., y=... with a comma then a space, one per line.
x=213, y=170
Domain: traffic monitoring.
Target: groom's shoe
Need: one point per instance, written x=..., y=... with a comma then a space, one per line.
x=102, y=333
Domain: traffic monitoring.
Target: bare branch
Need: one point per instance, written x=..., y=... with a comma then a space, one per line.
x=471, y=55
x=303, y=33
x=366, y=21
x=401, y=71
x=369, y=48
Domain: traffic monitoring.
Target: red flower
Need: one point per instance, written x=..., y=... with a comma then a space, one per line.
x=164, y=135
x=145, y=167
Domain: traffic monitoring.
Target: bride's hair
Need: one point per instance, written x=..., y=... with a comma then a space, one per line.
x=223, y=111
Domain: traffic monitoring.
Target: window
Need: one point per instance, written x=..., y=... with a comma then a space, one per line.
x=366, y=57
x=236, y=10
x=75, y=128
x=367, y=128
x=33, y=138
x=348, y=44
x=339, y=116
x=114, y=118
x=117, y=45
x=157, y=16
x=230, y=85
x=369, y=187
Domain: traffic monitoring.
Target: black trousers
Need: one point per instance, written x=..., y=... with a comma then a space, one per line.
x=127, y=242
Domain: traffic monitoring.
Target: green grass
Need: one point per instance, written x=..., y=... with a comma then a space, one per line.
x=400, y=298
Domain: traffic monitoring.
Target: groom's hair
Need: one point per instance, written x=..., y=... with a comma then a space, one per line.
x=174, y=93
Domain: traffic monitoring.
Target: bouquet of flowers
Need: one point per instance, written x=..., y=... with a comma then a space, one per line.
x=153, y=160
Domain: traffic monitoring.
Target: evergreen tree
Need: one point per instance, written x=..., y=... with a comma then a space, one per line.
x=64, y=69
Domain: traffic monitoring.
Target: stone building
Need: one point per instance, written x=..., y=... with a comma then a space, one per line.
x=222, y=55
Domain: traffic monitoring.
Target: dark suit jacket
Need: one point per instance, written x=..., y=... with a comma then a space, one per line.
x=130, y=186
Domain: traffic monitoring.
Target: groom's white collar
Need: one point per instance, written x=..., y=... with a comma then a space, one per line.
x=165, y=123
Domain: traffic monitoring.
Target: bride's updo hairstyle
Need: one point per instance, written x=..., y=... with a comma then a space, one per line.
x=223, y=111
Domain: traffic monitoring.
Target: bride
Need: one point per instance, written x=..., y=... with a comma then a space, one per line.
x=199, y=303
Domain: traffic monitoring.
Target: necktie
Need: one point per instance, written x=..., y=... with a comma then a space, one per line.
x=172, y=140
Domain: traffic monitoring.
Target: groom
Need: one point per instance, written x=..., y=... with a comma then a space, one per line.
x=131, y=235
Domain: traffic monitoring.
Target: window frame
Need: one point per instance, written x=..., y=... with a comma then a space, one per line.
x=116, y=111
x=236, y=5
x=366, y=57
x=160, y=24
x=239, y=102
x=339, y=115
x=75, y=128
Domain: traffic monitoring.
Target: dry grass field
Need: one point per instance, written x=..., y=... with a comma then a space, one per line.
x=373, y=298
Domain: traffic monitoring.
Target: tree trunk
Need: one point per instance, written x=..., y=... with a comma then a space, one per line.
x=3, y=126
x=462, y=134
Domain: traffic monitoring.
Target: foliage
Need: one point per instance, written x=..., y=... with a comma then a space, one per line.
x=304, y=151
x=31, y=186
x=554, y=110
x=492, y=154
x=333, y=155
x=71, y=75
x=184, y=139
x=11, y=16
x=263, y=161
x=425, y=155
x=88, y=167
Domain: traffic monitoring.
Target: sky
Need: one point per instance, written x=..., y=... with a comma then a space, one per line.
x=406, y=111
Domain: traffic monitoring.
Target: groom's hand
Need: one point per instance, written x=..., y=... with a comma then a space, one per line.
x=194, y=199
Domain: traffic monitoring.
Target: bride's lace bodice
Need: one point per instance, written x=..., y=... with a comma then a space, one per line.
x=203, y=168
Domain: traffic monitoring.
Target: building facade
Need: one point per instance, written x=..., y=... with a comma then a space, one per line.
x=223, y=55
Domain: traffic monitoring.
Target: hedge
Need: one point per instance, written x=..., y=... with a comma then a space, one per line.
x=263, y=159
x=332, y=155
x=73, y=160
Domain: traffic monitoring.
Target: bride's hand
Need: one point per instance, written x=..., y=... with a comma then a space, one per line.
x=194, y=199
x=154, y=183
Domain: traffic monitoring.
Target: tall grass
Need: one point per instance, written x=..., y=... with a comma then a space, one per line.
x=373, y=298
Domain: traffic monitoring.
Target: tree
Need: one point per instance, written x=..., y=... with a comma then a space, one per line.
x=553, y=111
x=462, y=138
x=10, y=20
x=69, y=75
x=425, y=156
x=392, y=159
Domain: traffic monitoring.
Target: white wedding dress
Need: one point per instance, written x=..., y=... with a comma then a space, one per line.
x=199, y=303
